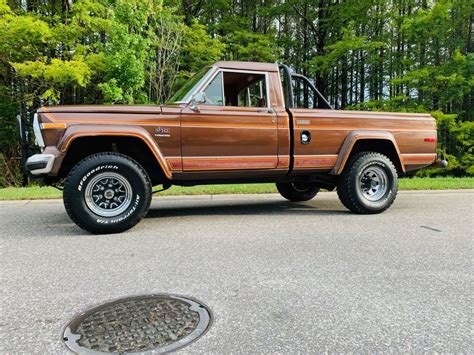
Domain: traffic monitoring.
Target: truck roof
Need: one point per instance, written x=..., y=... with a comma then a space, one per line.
x=247, y=65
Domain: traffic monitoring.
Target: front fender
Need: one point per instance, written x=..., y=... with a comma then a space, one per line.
x=92, y=130
x=355, y=136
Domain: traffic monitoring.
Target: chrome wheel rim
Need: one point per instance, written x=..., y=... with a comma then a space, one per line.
x=108, y=194
x=373, y=183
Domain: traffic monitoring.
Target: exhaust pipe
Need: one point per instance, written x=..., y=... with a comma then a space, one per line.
x=440, y=163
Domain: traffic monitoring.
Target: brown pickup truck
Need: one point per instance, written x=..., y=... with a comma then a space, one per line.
x=233, y=122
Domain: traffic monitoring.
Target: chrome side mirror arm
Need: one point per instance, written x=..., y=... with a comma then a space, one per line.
x=199, y=98
x=193, y=106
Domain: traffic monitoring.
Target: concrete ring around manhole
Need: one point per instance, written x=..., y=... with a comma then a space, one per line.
x=147, y=324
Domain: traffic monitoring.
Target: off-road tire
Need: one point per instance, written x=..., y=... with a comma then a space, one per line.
x=132, y=193
x=350, y=189
x=297, y=192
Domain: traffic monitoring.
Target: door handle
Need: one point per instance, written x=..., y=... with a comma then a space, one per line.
x=265, y=110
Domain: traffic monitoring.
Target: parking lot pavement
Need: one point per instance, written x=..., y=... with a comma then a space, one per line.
x=278, y=276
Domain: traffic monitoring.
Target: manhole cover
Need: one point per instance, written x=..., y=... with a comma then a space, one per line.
x=156, y=323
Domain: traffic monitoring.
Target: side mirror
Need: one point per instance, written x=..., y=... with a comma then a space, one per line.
x=199, y=98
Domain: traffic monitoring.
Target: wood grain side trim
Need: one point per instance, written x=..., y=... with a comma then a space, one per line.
x=315, y=161
x=283, y=162
x=229, y=163
x=175, y=163
x=342, y=114
x=227, y=125
x=418, y=159
x=106, y=122
x=341, y=127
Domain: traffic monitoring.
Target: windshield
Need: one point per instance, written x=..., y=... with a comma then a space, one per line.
x=183, y=94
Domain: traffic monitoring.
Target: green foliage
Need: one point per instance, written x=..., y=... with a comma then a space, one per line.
x=248, y=46
x=455, y=143
x=111, y=91
x=23, y=37
x=60, y=72
x=4, y=8
x=465, y=136
x=408, y=56
x=199, y=49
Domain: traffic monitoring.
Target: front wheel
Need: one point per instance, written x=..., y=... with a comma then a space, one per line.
x=297, y=191
x=368, y=184
x=107, y=193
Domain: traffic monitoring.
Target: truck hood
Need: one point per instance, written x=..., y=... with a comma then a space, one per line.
x=148, y=109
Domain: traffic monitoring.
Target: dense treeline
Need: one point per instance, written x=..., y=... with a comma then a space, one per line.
x=397, y=55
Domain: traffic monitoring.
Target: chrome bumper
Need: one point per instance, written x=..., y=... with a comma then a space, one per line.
x=40, y=164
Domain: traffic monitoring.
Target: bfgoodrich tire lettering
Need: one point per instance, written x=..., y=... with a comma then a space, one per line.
x=368, y=184
x=107, y=193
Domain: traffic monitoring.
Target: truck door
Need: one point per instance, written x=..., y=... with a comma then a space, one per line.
x=232, y=126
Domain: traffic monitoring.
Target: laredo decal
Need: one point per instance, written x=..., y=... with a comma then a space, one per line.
x=162, y=132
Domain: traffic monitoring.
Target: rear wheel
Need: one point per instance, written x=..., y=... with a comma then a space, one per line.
x=107, y=193
x=297, y=191
x=368, y=184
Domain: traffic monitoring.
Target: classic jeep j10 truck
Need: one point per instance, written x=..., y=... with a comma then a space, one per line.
x=233, y=122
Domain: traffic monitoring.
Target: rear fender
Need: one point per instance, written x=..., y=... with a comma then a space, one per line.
x=355, y=136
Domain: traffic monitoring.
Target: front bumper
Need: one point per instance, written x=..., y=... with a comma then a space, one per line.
x=40, y=164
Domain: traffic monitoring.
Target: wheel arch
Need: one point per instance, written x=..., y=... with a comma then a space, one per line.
x=376, y=141
x=81, y=141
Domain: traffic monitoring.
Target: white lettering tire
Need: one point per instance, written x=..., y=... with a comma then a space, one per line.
x=107, y=193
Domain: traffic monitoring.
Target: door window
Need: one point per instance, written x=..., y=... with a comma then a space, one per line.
x=245, y=89
x=237, y=89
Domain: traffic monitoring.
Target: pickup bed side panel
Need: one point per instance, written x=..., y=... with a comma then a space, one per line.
x=412, y=136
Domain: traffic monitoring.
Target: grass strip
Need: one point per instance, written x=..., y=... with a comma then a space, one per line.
x=438, y=183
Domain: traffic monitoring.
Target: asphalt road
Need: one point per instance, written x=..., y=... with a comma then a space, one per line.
x=278, y=276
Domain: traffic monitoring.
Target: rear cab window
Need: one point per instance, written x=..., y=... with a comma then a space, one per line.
x=300, y=92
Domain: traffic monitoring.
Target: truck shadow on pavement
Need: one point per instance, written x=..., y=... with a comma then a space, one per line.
x=60, y=224
x=223, y=208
